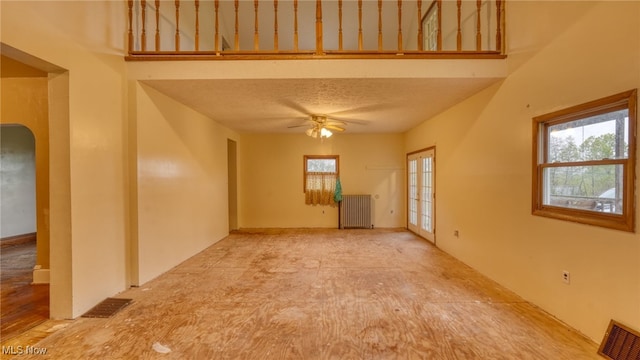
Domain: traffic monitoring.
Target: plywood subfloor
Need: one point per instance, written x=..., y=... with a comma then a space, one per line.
x=321, y=294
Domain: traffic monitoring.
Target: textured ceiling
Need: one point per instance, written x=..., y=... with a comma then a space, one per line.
x=389, y=105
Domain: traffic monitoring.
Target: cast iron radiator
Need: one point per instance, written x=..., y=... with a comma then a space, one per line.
x=355, y=212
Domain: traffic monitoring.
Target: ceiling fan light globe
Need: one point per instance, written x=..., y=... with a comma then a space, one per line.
x=325, y=133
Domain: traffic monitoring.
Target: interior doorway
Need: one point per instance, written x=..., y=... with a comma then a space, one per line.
x=421, y=193
x=232, y=173
x=24, y=244
x=35, y=93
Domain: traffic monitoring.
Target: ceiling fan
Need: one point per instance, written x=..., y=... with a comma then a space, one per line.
x=321, y=126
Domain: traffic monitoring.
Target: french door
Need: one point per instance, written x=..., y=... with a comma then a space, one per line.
x=421, y=193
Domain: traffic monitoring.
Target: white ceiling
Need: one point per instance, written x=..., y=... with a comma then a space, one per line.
x=377, y=105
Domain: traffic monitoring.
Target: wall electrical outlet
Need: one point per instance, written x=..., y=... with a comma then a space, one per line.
x=566, y=277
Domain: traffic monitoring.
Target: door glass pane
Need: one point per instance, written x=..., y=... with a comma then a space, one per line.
x=427, y=194
x=413, y=192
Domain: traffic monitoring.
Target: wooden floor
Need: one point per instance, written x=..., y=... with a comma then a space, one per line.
x=22, y=305
x=319, y=294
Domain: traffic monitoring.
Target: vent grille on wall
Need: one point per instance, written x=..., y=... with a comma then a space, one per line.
x=620, y=343
x=356, y=212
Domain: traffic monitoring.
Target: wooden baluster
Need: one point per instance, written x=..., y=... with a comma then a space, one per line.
x=420, y=29
x=459, y=34
x=237, y=33
x=130, y=33
x=177, y=25
x=216, y=6
x=319, y=35
x=439, y=2
x=157, y=25
x=340, y=25
x=400, y=26
x=478, y=27
x=379, y=25
x=498, y=26
x=197, y=5
x=256, y=37
x=295, y=25
x=275, y=25
x=360, y=25
x=143, y=37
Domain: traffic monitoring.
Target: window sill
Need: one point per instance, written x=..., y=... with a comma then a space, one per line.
x=605, y=220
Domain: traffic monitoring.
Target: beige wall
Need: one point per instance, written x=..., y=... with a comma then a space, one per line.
x=271, y=193
x=61, y=34
x=484, y=165
x=181, y=182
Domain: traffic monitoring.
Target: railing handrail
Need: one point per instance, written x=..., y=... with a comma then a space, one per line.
x=426, y=34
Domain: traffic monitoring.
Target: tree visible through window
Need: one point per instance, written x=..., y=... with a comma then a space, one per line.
x=320, y=176
x=585, y=162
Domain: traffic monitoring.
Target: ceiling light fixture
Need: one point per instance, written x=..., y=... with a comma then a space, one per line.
x=321, y=127
x=318, y=132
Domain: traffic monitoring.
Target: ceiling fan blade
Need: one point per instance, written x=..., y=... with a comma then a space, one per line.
x=371, y=108
x=333, y=127
x=294, y=106
x=335, y=122
x=350, y=121
x=297, y=126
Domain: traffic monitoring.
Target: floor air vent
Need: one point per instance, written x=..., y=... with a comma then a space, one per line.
x=107, y=308
x=620, y=343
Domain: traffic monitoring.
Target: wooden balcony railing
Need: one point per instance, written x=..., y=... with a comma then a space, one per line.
x=233, y=29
